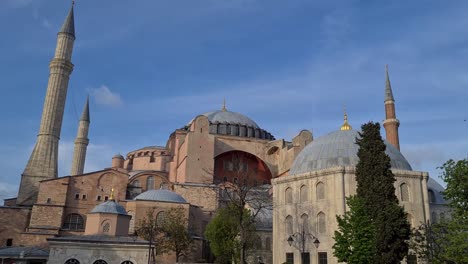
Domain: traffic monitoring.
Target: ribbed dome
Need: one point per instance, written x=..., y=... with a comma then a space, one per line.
x=110, y=207
x=161, y=196
x=339, y=149
x=230, y=118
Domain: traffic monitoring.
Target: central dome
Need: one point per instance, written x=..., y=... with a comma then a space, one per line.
x=339, y=149
x=224, y=122
x=224, y=116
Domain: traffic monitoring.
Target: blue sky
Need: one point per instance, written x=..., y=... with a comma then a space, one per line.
x=151, y=66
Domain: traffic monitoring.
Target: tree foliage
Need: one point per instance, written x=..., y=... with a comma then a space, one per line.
x=224, y=233
x=355, y=237
x=243, y=194
x=376, y=192
x=169, y=234
x=455, y=242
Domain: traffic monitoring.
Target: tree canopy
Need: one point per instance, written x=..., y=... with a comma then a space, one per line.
x=375, y=202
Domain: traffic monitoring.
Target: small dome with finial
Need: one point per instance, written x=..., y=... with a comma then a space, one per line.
x=346, y=125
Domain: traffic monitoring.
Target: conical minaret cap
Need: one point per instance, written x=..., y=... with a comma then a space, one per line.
x=85, y=114
x=69, y=24
x=388, y=86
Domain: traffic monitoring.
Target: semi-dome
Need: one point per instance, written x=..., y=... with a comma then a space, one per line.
x=339, y=149
x=110, y=207
x=161, y=196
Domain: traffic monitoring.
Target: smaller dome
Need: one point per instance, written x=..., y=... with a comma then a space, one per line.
x=161, y=196
x=118, y=156
x=437, y=190
x=110, y=207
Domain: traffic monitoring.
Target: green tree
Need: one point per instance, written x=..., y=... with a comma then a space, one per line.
x=224, y=233
x=174, y=228
x=427, y=241
x=167, y=231
x=355, y=237
x=455, y=243
x=375, y=187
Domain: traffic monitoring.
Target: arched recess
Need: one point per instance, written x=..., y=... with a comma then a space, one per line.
x=320, y=190
x=288, y=195
x=304, y=194
x=288, y=225
x=246, y=167
x=404, y=192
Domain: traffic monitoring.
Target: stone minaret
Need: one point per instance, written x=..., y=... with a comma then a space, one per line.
x=81, y=142
x=391, y=123
x=42, y=164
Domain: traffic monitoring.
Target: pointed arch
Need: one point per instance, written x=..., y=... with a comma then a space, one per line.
x=320, y=190
x=321, y=223
x=304, y=194
x=305, y=222
x=404, y=192
x=288, y=225
x=288, y=195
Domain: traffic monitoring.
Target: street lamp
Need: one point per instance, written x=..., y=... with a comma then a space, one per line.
x=302, y=237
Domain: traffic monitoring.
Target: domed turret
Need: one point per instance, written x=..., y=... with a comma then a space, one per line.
x=118, y=161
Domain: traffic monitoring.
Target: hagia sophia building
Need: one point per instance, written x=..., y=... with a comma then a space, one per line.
x=91, y=217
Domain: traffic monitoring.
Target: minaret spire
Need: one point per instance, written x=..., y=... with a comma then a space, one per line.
x=391, y=123
x=42, y=164
x=81, y=142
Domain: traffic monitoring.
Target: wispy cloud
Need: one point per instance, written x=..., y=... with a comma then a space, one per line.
x=104, y=96
x=18, y=3
x=8, y=190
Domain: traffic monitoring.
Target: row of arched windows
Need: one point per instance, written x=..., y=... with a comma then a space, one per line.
x=99, y=261
x=303, y=224
x=304, y=193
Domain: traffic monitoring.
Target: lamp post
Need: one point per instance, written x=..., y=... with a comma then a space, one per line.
x=302, y=237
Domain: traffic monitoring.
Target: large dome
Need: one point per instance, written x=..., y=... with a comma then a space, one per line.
x=224, y=122
x=339, y=149
x=161, y=196
x=230, y=118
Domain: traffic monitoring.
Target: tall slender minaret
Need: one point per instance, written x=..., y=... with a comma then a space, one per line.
x=81, y=142
x=42, y=164
x=391, y=123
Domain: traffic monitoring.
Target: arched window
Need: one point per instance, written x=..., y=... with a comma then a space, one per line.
x=289, y=225
x=127, y=262
x=268, y=243
x=72, y=261
x=105, y=226
x=431, y=196
x=305, y=223
x=442, y=216
x=434, y=217
x=136, y=183
x=73, y=222
x=304, y=194
x=99, y=261
x=150, y=183
x=288, y=195
x=404, y=192
x=160, y=218
x=322, y=223
x=320, y=191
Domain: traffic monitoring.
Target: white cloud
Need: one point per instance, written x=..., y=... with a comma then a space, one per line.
x=98, y=157
x=104, y=96
x=8, y=190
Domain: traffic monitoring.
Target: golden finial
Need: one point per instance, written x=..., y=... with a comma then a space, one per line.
x=224, y=106
x=346, y=125
x=112, y=195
